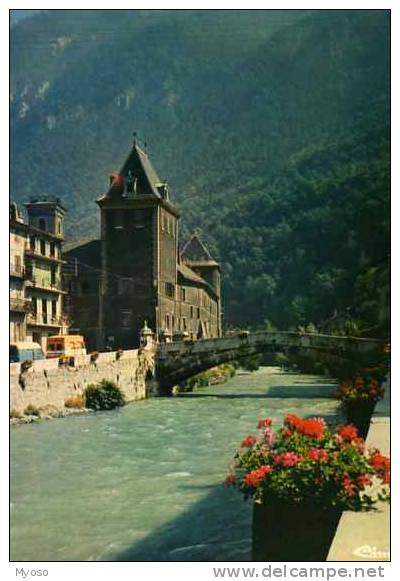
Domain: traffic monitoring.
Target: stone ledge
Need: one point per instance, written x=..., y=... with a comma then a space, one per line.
x=365, y=536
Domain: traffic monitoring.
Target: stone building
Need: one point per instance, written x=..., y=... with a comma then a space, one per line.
x=36, y=294
x=136, y=271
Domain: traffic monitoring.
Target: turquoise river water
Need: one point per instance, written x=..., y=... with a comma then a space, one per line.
x=145, y=483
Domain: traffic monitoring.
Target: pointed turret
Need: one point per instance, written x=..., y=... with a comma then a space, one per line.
x=197, y=256
x=137, y=177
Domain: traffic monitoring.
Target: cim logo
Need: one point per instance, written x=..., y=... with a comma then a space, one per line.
x=368, y=552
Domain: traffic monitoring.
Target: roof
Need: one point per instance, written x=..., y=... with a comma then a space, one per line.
x=139, y=168
x=194, y=251
x=82, y=253
x=188, y=274
x=76, y=243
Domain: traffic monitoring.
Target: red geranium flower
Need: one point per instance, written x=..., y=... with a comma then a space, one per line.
x=313, y=427
x=254, y=477
x=364, y=480
x=287, y=459
x=264, y=423
x=348, y=486
x=249, y=442
x=381, y=464
x=230, y=479
x=348, y=432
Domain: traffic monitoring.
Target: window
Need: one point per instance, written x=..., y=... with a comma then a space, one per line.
x=167, y=322
x=170, y=290
x=32, y=243
x=191, y=312
x=168, y=225
x=198, y=312
x=17, y=263
x=44, y=310
x=183, y=294
x=42, y=224
x=54, y=309
x=127, y=319
x=162, y=221
x=52, y=249
x=119, y=220
x=184, y=323
x=173, y=322
x=34, y=305
x=53, y=276
x=126, y=286
x=43, y=247
x=58, y=226
x=29, y=271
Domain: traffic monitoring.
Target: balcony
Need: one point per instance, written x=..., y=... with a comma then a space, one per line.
x=19, y=305
x=46, y=320
x=44, y=284
x=17, y=271
x=34, y=254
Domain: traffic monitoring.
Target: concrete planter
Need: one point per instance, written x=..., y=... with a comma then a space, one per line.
x=359, y=413
x=293, y=532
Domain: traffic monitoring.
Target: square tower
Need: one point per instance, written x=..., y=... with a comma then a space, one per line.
x=139, y=242
x=46, y=214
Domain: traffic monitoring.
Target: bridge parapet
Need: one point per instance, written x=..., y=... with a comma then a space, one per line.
x=179, y=360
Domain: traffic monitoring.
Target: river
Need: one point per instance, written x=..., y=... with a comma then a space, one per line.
x=144, y=483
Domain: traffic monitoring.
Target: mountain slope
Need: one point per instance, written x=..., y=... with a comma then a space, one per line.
x=260, y=120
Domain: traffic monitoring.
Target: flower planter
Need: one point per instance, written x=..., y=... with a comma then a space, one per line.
x=301, y=478
x=359, y=413
x=293, y=532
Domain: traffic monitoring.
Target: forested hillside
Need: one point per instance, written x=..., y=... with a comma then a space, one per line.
x=272, y=128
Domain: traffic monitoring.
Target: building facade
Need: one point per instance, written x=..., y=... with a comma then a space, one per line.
x=36, y=293
x=137, y=267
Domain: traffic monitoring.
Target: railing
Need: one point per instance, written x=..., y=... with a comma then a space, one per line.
x=46, y=319
x=43, y=283
x=35, y=254
x=18, y=304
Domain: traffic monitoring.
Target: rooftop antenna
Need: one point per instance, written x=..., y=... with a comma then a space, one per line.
x=134, y=138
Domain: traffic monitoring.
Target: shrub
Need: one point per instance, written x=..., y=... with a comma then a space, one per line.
x=304, y=460
x=281, y=360
x=119, y=353
x=77, y=401
x=25, y=365
x=94, y=356
x=103, y=396
x=14, y=414
x=31, y=410
x=251, y=363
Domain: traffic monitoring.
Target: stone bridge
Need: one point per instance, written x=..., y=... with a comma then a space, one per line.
x=179, y=360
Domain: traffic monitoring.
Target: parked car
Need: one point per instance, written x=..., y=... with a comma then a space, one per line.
x=25, y=351
x=65, y=345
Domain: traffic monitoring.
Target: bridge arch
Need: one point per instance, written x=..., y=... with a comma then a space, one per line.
x=176, y=362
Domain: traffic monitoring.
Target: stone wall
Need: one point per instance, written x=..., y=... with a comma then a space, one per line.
x=46, y=385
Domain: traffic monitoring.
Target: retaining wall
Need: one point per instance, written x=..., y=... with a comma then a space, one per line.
x=46, y=385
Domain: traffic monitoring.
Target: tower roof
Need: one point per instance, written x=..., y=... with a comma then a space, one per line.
x=140, y=171
x=195, y=252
